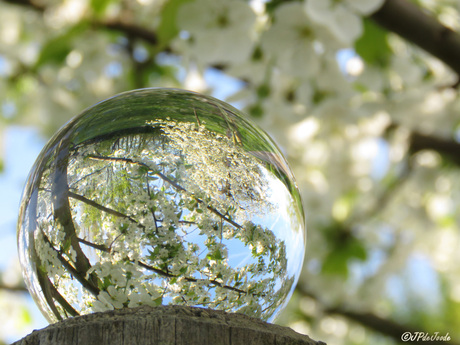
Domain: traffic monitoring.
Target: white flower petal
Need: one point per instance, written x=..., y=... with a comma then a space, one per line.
x=346, y=25
x=319, y=10
x=365, y=7
x=193, y=17
x=219, y=29
x=242, y=14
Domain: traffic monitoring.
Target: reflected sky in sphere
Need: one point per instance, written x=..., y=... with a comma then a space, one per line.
x=161, y=196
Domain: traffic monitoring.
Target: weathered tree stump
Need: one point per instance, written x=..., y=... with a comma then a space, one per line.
x=165, y=325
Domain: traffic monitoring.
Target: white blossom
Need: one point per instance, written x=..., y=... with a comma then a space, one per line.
x=343, y=22
x=218, y=29
x=290, y=40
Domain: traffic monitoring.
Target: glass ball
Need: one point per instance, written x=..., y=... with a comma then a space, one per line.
x=161, y=196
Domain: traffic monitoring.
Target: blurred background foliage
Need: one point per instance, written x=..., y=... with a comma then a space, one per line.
x=368, y=120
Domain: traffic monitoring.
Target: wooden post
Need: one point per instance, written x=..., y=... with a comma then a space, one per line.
x=165, y=325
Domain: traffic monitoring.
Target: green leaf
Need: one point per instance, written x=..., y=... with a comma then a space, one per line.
x=373, y=46
x=153, y=254
x=272, y=5
x=66, y=245
x=26, y=317
x=56, y=49
x=143, y=170
x=356, y=250
x=263, y=91
x=216, y=255
x=158, y=301
x=192, y=205
x=124, y=227
x=256, y=110
x=336, y=262
x=105, y=284
x=99, y=6
x=168, y=29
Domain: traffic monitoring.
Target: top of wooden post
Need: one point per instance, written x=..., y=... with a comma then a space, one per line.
x=165, y=325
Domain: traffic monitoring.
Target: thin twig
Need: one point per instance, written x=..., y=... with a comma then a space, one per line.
x=13, y=288
x=190, y=279
x=103, y=208
x=72, y=270
x=171, y=182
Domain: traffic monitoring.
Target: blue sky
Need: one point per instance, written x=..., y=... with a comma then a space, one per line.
x=21, y=147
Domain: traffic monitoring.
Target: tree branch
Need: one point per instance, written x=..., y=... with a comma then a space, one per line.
x=130, y=30
x=103, y=208
x=72, y=270
x=448, y=148
x=372, y=321
x=102, y=247
x=27, y=3
x=67, y=307
x=13, y=288
x=171, y=182
x=167, y=274
x=191, y=279
x=385, y=326
x=402, y=17
x=409, y=21
x=61, y=207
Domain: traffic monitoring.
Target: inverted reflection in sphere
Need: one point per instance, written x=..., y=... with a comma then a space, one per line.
x=161, y=196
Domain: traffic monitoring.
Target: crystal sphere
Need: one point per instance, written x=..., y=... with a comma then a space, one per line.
x=161, y=196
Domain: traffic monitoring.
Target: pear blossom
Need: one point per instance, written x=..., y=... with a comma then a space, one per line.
x=343, y=17
x=218, y=30
x=290, y=40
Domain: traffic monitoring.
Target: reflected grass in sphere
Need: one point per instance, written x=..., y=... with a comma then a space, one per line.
x=161, y=196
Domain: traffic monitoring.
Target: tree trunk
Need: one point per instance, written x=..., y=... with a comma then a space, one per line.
x=165, y=325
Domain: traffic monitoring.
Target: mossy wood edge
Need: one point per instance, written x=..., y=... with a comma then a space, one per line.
x=165, y=325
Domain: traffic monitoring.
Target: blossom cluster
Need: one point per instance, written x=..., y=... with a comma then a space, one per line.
x=181, y=216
